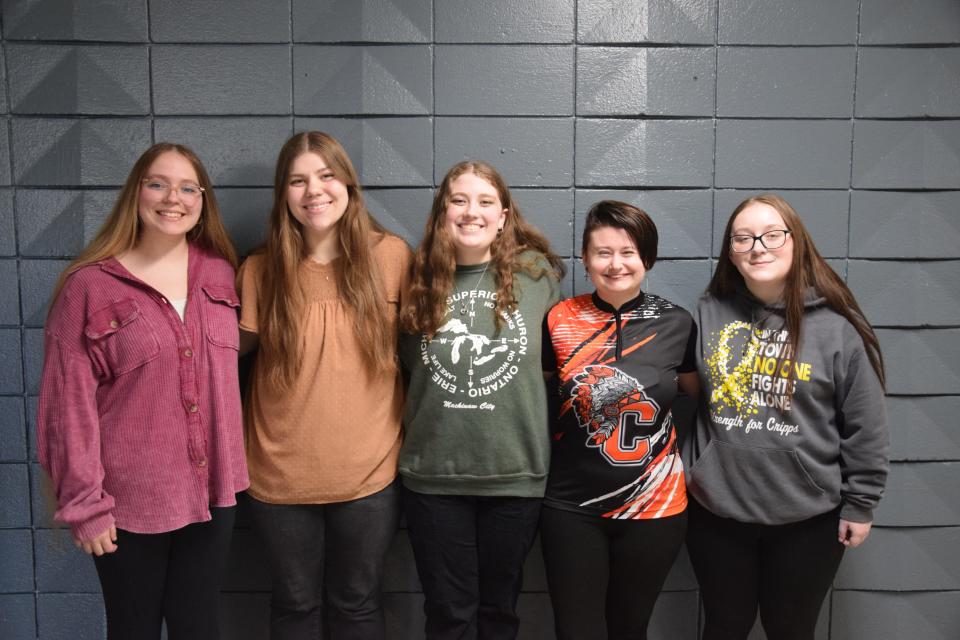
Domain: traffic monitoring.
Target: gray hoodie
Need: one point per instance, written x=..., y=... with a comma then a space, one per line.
x=762, y=455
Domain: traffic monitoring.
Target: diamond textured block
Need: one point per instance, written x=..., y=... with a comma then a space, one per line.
x=535, y=21
x=80, y=79
x=896, y=22
x=904, y=559
x=362, y=21
x=819, y=155
x=529, y=152
x=221, y=79
x=906, y=155
x=812, y=22
x=908, y=82
x=72, y=152
x=219, y=21
x=663, y=153
x=393, y=80
x=881, y=221
x=655, y=21
x=540, y=81
x=799, y=82
x=100, y=20
x=653, y=81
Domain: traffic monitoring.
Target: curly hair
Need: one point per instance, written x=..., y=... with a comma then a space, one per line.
x=434, y=265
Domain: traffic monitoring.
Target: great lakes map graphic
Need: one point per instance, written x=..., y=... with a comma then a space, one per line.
x=471, y=364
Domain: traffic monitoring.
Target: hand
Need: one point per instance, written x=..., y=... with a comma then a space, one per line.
x=101, y=544
x=852, y=534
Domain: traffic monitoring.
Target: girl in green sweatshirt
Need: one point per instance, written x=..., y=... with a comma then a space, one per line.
x=476, y=450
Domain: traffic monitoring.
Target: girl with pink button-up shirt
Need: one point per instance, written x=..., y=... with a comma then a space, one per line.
x=139, y=424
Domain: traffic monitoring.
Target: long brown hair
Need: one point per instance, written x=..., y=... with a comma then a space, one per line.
x=121, y=229
x=808, y=269
x=435, y=262
x=358, y=281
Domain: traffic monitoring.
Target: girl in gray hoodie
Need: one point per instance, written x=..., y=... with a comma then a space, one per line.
x=790, y=450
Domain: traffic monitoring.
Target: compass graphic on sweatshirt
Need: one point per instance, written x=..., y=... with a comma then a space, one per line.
x=471, y=364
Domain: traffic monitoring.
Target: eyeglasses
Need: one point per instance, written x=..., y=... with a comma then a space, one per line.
x=770, y=240
x=187, y=191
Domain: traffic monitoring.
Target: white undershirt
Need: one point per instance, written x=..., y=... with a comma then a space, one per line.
x=180, y=305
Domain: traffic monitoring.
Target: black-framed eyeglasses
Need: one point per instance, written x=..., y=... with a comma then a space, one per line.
x=773, y=239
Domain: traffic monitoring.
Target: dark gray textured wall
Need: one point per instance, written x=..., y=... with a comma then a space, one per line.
x=851, y=108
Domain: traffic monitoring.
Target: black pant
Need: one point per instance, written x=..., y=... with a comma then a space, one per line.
x=784, y=570
x=327, y=564
x=470, y=552
x=605, y=575
x=171, y=576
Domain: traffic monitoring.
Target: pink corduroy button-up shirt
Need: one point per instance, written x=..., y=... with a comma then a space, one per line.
x=139, y=421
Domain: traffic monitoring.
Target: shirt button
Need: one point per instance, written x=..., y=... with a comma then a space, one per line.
x=202, y=463
x=194, y=408
x=114, y=324
x=187, y=353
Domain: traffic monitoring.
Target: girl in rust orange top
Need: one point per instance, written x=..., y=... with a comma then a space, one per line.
x=323, y=409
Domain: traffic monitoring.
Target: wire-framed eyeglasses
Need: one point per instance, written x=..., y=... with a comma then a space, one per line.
x=187, y=191
x=773, y=239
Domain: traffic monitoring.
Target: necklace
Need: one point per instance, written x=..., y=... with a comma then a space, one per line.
x=473, y=292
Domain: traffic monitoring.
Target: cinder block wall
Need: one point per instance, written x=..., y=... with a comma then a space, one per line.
x=851, y=108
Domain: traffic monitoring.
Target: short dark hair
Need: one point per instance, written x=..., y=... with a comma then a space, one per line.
x=633, y=220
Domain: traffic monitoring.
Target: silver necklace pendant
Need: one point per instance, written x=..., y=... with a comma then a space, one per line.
x=473, y=292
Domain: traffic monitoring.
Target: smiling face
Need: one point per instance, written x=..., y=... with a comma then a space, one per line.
x=614, y=265
x=315, y=196
x=474, y=214
x=764, y=270
x=170, y=199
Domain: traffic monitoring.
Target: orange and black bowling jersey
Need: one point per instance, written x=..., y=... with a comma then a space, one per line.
x=614, y=445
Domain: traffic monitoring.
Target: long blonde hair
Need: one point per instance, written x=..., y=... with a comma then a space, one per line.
x=435, y=263
x=359, y=281
x=121, y=229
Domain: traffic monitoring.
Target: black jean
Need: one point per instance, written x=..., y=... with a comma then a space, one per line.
x=469, y=552
x=327, y=561
x=783, y=570
x=172, y=576
x=605, y=575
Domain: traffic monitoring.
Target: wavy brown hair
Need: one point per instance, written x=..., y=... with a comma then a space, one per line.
x=358, y=280
x=808, y=269
x=435, y=264
x=121, y=230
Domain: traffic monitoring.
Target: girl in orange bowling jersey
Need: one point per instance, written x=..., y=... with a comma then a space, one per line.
x=614, y=515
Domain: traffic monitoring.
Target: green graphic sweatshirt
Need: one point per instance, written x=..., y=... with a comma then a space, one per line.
x=476, y=412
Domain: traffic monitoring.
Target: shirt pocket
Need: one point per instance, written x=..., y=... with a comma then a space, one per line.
x=120, y=338
x=220, y=309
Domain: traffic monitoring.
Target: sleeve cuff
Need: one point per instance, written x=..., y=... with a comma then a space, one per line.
x=92, y=527
x=853, y=513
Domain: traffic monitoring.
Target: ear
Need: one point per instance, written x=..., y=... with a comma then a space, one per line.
x=503, y=220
